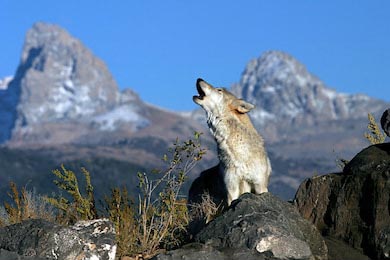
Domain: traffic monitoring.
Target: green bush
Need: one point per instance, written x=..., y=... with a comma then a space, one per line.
x=79, y=206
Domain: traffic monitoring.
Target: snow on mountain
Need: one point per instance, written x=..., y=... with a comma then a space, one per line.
x=4, y=82
x=111, y=120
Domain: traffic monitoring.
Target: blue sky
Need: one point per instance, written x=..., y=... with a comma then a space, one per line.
x=159, y=48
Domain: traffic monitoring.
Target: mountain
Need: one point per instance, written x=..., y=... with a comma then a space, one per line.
x=59, y=81
x=63, y=106
x=63, y=94
x=284, y=90
x=293, y=105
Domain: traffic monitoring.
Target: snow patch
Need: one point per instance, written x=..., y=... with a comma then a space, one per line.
x=4, y=82
x=302, y=81
x=269, y=89
x=262, y=116
x=125, y=113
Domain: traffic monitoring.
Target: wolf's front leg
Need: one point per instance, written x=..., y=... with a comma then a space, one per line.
x=260, y=188
x=232, y=183
x=232, y=195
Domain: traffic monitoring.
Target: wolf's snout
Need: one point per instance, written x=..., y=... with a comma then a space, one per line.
x=202, y=94
x=198, y=81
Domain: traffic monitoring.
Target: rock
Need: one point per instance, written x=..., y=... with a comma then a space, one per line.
x=8, y=255
x=385, y=122
x=264, y=224
x=40, y=239
x=353, y=205
x=198, y=251
x=340, y=250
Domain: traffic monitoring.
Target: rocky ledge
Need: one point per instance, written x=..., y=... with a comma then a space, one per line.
x=255, y=227
x=38, y=239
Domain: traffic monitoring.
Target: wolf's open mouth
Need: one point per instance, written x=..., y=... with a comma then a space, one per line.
x=200, y=90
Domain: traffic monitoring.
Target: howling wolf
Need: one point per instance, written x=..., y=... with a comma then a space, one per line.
x=244, y=165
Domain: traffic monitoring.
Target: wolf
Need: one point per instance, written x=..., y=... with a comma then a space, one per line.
x=244, y=165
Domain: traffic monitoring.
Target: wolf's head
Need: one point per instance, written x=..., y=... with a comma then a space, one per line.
x=219, y=101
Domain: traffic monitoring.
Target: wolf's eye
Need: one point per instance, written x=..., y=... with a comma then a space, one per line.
x=219, y=90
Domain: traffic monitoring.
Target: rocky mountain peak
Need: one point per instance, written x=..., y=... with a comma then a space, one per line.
x=283, y=89
x=275, y=67
x=60, y=79
x=59, y=85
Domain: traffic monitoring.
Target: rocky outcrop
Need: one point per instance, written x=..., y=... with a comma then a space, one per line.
x=353, y=205
x=385, y=122
x=39, y=239
x=261, y=226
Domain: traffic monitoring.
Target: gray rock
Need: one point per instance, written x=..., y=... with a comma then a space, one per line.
x=385, y=121
x=341, y=250
x=38, y=238
x=354, y=205
x=264, y=224
x=8, y=255
x=198, y=251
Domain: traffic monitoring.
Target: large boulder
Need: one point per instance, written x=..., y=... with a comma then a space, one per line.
x=354, y=205
x=256, y=227
x=40, y=239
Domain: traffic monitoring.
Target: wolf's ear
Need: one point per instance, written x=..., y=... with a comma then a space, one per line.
x=242, y=106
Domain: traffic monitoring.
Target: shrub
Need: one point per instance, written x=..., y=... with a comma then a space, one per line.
x=26, y=204
x=376, y=136
x=121, y=211
x=206, y=210
x=156, y=221
x=159, y=218
x=79, y=207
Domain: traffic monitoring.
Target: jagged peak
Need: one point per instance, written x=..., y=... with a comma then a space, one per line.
x=276, y=67
x=76, y=83
x=48, y=36
x=281, y=87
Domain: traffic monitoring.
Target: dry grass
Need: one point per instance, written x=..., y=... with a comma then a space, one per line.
x=25, y=204
x=206, y=210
